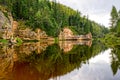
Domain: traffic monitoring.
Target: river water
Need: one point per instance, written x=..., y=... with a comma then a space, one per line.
x=65, y=60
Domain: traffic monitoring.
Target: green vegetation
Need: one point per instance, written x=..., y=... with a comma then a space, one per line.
x=113, y=37
x=52, y=17
x=111, y=40
x=114, y=16
x=19, y=41
x=3, y=41
x=115, y=59
x=115, y=21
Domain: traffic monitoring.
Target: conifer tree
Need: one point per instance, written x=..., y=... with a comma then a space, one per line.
x=114, y=17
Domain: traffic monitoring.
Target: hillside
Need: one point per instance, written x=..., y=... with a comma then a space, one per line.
x=52, y=17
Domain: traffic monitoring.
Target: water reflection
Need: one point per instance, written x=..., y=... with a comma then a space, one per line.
x=98, y=68
x=46, y=60
x=115, y=65
x=67, y=46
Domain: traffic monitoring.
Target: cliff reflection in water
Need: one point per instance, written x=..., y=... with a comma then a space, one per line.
x=41, y=61
x=67, y=46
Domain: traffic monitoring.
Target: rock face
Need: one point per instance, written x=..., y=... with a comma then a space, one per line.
x=5, y=25
x=66, y=33
x=89, y=36
x=85, y=37
x=28, y=34
x=10, y=28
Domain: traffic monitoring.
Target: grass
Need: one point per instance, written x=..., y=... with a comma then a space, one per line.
x=4, y=41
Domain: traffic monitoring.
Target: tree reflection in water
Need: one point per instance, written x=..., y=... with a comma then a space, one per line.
x=41, y=61
x=115, y=64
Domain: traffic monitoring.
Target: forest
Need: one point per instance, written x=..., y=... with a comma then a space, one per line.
x=45, y=59
x=113, y=37
x=52, y=17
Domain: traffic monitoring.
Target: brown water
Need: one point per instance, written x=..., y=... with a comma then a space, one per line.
x=68, y=60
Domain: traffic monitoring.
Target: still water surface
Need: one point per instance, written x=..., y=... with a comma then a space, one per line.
x=97, y=68
x=68, y=60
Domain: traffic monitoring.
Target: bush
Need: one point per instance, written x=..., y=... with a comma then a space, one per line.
x=19, y=41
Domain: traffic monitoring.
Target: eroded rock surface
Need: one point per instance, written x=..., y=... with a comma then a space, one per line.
x=6, y=21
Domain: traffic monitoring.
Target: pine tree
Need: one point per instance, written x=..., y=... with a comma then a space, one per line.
x=118, y=27
x=114, y=16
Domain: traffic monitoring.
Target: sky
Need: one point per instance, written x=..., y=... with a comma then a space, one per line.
x=97, y=10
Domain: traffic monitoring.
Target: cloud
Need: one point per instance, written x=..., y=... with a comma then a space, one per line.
x=101, y=19
x=98, y=10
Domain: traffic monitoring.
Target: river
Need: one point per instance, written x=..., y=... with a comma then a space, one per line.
x=65, y=60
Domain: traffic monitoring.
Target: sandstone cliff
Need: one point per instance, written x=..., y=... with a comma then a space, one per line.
x=65, y=34
x=6, y=21
x=10, y=28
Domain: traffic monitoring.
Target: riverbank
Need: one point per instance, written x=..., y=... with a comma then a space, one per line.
x=111, y=40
